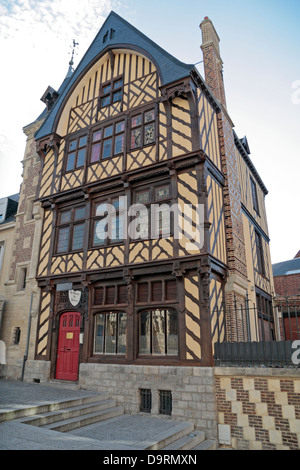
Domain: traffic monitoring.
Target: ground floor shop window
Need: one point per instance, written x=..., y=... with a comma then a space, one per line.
x=158, y=333
x=110, y=333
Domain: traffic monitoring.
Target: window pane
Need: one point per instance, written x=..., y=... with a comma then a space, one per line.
x=95, y=153
x=79, y=213
x=158, y=332
x=117, y=227
x=119, y=143
x=122, y=333
x=73, y=145
x=142, y=221
x=149, y=134
x=63, y=239
x=106, y=89
x=135, y=138
x=105, y=101
x=108, y=131
x=81, y=157
x=71, y=161
x=110, y=333
x=107, y=148
x=149, y=116
x=118, y=84
x=117, y=96
x=97, y=136
x=99, y=333
x=143, y=197
x=101, y=209
x=78, y=234
x=145, y=333
x=120, y=127
x=136, y=121
x=172, y=332
x=65, y=217
x=82, y=141
x=162, y=193
x=162, y=220
x=100, y=232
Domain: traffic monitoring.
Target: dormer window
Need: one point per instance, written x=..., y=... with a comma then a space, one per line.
x=111, y=92
x=49, y=97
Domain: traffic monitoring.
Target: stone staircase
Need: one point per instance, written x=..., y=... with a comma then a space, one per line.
x=73, y=414
x=77, y=413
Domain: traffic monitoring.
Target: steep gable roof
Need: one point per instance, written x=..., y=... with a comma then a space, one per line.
x=118, y=33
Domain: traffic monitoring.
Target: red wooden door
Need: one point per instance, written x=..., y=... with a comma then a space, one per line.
x=68, y=346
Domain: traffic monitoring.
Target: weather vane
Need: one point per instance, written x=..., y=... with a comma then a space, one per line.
x=75, y=44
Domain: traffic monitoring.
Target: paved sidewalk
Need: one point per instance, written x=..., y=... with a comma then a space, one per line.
x=126, y=432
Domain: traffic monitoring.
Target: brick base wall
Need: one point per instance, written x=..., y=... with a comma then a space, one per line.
x=258, y=408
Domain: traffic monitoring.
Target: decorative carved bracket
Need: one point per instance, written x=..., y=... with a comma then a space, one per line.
x=176, y=90
x=128, y=278
x=50, y=142
x=178, y=270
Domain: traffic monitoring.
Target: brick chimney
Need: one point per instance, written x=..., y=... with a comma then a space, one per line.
x=213, y=65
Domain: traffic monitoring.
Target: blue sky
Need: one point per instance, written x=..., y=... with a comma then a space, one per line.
x=260, y=48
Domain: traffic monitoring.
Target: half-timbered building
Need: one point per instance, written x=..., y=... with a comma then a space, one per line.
x=124, y=299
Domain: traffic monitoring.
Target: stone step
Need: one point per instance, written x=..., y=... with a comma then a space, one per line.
x=208, y=444
x=84, y=420
x=165, y=438
x=71, y=385
x=71, y=412
x=187, y=442
x=34, y=410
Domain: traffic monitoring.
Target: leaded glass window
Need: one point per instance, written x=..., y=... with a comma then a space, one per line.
x=142, y=129
x=158, y=332
x=110, y=333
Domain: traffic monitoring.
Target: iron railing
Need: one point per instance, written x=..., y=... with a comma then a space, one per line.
x=265, y=334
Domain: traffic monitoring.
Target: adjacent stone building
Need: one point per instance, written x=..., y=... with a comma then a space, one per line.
x=18, y=279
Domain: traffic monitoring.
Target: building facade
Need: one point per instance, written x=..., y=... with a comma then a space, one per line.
x=135, y=140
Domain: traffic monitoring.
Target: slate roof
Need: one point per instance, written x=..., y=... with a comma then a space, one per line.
x=286, y=267
x=125, y=36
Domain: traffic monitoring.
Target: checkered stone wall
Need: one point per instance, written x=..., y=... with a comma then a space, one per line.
x=259, y=408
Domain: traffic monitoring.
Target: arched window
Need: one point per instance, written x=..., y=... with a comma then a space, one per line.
x=158, y=332
x=110, y=333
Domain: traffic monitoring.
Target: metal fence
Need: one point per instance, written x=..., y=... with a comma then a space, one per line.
x=264, y=334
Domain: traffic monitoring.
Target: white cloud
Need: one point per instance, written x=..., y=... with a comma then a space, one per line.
x=35, y=45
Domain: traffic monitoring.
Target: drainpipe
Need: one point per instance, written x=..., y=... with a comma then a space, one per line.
x=28, y=337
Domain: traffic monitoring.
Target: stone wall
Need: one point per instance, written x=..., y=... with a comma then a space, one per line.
x=192, y=389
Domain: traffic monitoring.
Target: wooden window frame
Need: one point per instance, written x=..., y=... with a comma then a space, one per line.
x=108, y=95
x=100, y=142
x=105, y=314
x=95, y=219
x=70, y=225
x=76, y=151
x=259, y=254
x=153, y=200
x=254, y=195
x=142, y=126
x=152, y=310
